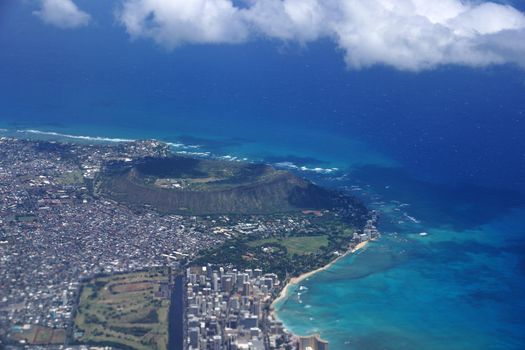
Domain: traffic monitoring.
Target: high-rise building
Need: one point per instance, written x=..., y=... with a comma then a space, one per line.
x=217, y=342
x=246, y=289
x=226, y=283
x=215, y=282
x=313, y=342
x=194, y=334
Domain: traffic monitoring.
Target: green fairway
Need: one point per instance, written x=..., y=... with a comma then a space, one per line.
x=125, y=310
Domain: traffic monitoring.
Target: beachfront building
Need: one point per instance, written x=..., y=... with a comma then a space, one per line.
x=313, y=342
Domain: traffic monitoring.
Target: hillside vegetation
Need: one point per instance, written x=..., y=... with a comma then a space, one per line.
x=184, y=185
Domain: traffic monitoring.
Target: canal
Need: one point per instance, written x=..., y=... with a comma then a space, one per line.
x=176, y=315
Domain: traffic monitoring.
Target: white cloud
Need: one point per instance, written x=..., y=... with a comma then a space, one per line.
x=174, y=22
x=62, y=14
x=301, y=20
x=406, y=34
x=414, y=35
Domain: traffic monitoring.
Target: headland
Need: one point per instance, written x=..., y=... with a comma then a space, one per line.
x=84, y=217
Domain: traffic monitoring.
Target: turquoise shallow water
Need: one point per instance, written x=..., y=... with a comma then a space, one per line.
x=451, y=289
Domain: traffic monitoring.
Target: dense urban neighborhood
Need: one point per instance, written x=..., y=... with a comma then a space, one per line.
x=57, y=236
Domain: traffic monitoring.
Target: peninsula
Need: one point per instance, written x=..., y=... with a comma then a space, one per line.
x=90, y=233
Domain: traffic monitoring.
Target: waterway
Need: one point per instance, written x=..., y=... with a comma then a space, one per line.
x=176, y=315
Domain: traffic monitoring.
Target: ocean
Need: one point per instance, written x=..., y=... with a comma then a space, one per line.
x=440, y=152
x=449, y=277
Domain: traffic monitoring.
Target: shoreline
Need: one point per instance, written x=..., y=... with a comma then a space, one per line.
x=299, y=279
x=191, y=150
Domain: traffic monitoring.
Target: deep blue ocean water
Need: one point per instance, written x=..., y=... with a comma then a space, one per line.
x=440, y=151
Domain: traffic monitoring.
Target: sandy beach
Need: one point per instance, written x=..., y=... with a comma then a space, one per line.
x=299, y=279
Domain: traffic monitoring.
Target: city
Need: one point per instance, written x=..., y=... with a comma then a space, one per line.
x=229, y=309
x=56, y=236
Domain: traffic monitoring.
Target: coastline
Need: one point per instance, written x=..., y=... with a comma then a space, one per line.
x=299, y=279
x=178, y=147
x=293, y=281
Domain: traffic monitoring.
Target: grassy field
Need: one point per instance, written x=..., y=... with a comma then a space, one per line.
x=38, y=335
x=71, y=178
x=295, y=245
x=125, y=310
